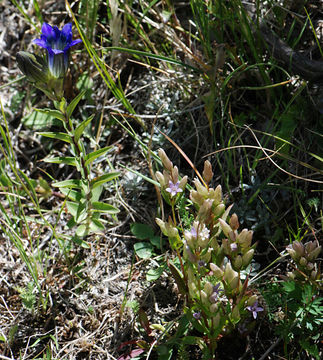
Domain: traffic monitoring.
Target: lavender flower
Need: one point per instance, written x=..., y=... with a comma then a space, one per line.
x=173, y=189
x=197, y=315
x=200, y=264
x=193, y=232
x=255, y=309
x=233, y=247
x=57, y=43
x=215, y=294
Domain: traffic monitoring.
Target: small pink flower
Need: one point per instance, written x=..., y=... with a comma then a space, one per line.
x=173, y=189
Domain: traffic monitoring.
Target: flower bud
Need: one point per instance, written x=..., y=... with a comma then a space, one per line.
x=291, y=275
x=205, y=210
x=192, y=289
x=216, y=271
x=207, y=172
x=244, y=239
x=202, y=190
x=252, y=300
x=234, y=247
x=309, y=246
x=231, y=277
x=219, y=210
x=314, y=254
x=310, y=266
x=234, y=223
x=226, y=213
x=237, y=262
x=303, y=261
x=226, y=246
x=218, y=194
x=292, y=253
x=174, y=174
x=299, y=248
x=208, y=288
x=207, y=256
x=189, y=255
x=183, y=183
x=214, y=308
x=196, y=197
x=216, y=320
x=247, y=257
x=37, y=72
x=171, y=230
x=165, y=160
x=204, y=298
x=236, y=314
x=314, y=274
x=162, y=226
x=33, y=66
x=160, y=178
x=189, y=239
x=225, y=227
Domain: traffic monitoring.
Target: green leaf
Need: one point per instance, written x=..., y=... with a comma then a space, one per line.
x=154, y=274
x=38, y=121
x=96, y=225
x=70, y=108
x=72, y=194
x=155, y=240
x=144, y=250
x=77, y=210
x=104, y=178
x=72, y=183
x=80, y=129
x=103, y=207
x=141, y=231
x=289, y=286
x=5, y=140
x=57, y=135
x=53, y=113
x=80, y=242
x=68, y=160
x=95, y=154
x=31, y=185
x=178, y=277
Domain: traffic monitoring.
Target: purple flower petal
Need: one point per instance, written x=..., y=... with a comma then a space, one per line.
x=255, y=309
x=67, y=31
x=197, y=315
x=47, y=30
x=173, y=189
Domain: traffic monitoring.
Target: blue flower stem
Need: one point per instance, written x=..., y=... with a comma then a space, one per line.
x=84, y=170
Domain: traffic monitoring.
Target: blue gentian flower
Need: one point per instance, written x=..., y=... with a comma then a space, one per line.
x=57, y=43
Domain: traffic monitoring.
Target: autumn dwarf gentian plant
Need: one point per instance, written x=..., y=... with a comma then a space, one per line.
x=47, y=73
x=214, y=256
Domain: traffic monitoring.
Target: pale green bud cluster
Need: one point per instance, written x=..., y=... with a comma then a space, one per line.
x=171, y=186
x=214, y=253
x=304, y=256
